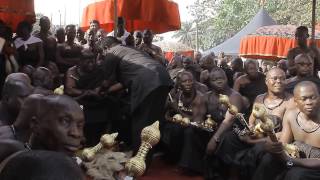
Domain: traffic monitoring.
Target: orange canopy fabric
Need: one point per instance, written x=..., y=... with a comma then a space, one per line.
x=158, y=15
x=14, y=11
x=169, y=48
x=270, y=42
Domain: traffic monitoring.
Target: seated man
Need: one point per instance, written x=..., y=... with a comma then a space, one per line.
x=56, y=125
x=29, y=48
x=189, y=103
x=42, y=81
x=237, y=152
x=39, y=165
x=68, y=54
x=303, y=69
x=301, y=126
x=16, y=88
x=85, y=82
x=251, y=84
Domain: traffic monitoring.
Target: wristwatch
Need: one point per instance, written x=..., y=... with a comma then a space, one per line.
x=289, y=163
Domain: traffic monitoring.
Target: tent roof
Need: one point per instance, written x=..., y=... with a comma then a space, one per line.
x=232, y=45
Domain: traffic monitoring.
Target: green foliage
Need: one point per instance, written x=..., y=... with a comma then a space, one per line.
x=219, y=20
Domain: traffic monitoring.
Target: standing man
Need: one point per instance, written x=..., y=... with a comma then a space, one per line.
x=148, y=82
x=49, y=42
x=122, y=33
x=153, y=50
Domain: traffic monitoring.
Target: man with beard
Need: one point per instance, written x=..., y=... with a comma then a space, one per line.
x=68, y=54
x=179, y=140
x=251, y=84
x=16, y=88
x=302, y=36
x=303, y=68
x=49, y=42
x=300, y=126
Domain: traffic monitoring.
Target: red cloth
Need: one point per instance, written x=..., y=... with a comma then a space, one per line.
x=158, y=15
x=14, y=11
x=270, y=42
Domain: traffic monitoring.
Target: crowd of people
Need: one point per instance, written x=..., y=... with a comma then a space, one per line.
x=121, y=82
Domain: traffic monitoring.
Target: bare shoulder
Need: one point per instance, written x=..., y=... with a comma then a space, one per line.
x=259, y=98
x=9, y=147
x=291, y=114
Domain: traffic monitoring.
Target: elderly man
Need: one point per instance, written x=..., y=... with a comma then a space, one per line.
x=301, y=126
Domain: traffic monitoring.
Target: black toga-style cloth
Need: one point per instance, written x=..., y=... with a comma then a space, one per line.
x=148, y=83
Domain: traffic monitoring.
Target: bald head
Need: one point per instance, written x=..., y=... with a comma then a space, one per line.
x=275, y=70
x=19, y=77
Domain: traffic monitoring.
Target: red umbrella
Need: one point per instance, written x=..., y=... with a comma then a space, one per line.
x=271, y=42
x=14, y=11
x=157, y=15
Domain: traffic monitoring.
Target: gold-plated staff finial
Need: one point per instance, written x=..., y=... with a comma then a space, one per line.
x=106, y=141
x=150, y=136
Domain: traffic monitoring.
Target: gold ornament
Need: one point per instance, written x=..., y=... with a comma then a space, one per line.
x=209, y=122
x=150, y=136
x=59, y=90
x=107, y=141
x=266, y=126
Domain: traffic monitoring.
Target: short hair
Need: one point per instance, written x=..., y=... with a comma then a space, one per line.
x=60, y=30
x=303, y=55
x=41, y=165
x=217, y=69
x=95, y=22
x=302, y=29
x=180, y=74
x=24, y=24
x=305, y=83
x=273, y=69
x=110, y=40
x=44, y=18
x=86, y=54
x=247, y=62
x=121, y=20
x=71, y=26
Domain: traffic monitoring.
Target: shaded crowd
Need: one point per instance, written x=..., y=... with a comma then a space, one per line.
x=122, y=83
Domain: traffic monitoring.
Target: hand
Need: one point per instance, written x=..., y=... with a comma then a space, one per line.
x=211, y=146
x=244, y=81
x=274, y=147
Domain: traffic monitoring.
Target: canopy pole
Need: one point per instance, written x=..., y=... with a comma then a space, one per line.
x=115, y=24
x=314, y=2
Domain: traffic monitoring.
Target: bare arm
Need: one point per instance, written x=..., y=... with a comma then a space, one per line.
x=70, y=85
x=312, y=163
x=236, y=100
x=286, y=133
x=41, y=54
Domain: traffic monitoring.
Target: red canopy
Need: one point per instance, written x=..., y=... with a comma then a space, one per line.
x=270, y=42
x=14, y=11
x=157, y=15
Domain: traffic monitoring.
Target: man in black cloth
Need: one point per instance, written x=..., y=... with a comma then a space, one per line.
x=302, y=36
x=84, y=82
x=251, y=84
x=48, y=40
x=207, y=63
x=300, y=126
x=180, y=141
x=148, y=83
x=189, y=66
x=15, y=90
x=236, y=66
x=29, y=48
